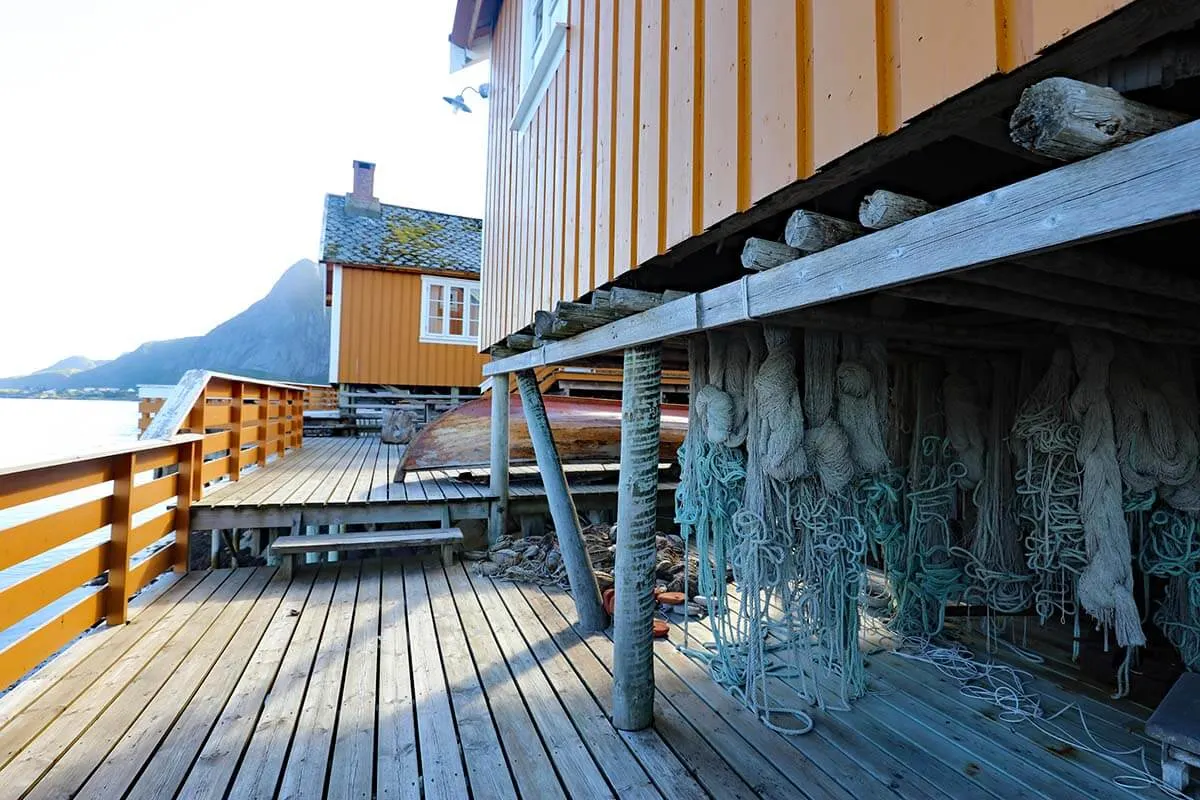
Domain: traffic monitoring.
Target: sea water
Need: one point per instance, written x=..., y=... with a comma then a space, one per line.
x=34, y=431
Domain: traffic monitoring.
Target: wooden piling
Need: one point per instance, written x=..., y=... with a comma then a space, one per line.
x=498, y=476
x=637, y=495
x=592, y=616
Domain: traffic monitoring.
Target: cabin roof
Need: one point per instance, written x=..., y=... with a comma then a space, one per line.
x=401, y=237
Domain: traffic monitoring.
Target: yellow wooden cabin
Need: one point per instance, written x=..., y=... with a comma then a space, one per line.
x=403, y=288
x=656, y=135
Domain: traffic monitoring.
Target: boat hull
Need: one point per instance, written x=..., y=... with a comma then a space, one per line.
x=587, y=430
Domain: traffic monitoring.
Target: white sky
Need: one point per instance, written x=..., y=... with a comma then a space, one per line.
x=163, y=161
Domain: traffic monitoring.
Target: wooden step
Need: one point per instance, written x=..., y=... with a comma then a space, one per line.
x=291, y=546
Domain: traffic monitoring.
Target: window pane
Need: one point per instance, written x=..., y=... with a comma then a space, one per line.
x=456, y=311
x=473, y=315
x=436, y=323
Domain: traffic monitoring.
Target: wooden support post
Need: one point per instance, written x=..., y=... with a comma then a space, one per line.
x=759, y=254
x=214, y=548
x=1067, y=119
x=498, y=477
x=117, y=601
x=592, y=616
x=637, y=506
x=189, y=464
x=813, y=232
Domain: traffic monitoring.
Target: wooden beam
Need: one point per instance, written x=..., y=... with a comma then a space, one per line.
x=637, y=510
x=1101, y=266
x=987, y=338
x=1066, y=119
x=759, y=254
x=989, y=298
x=883, y=209
x=1050, y=286
x=562, y=508
x=1132, y=187
x=498, y=475
x=813, y=232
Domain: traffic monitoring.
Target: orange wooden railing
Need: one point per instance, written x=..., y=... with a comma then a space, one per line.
x=147, y=408
x=320, y=398
x=212, y=426
x=98, y=490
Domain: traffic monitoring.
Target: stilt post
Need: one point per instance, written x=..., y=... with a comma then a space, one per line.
x=637, y=504
x=498, y=482
x=592, y=616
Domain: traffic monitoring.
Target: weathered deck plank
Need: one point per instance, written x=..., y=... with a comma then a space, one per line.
x=226, y=704
x=441, y=764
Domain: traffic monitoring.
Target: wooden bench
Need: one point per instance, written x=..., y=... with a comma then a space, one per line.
x=1176, y=723
x=289, y=548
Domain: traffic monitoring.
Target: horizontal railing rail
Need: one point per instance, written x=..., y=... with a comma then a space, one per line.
x=210, y=427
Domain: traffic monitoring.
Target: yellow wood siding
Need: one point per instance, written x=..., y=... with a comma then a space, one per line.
x=380, y=335
x=666, y=118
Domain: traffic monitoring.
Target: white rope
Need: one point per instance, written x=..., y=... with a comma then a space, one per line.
x=1106, y=583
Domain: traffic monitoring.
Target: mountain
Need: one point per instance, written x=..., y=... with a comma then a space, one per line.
x=284, y=336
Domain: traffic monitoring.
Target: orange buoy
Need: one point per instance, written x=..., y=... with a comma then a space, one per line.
x=609, y=600
x=661, y=629
x=671, y=598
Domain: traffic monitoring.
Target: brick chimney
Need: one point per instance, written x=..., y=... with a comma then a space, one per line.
x=362, y=201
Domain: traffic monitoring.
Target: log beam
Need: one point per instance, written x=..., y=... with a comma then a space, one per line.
x=1066, y=119
x=883, y=209
x=813, y=232
x=498, y=474
x=582, y=578
x=637, y=510
x=632, y=301
x=759, y=254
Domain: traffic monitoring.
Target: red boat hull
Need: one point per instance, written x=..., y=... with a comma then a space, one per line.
x=587, y=430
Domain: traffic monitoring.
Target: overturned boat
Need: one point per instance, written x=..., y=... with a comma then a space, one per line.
x=587, y=430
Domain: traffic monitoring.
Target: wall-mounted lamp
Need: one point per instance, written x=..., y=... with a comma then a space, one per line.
x=459, y=104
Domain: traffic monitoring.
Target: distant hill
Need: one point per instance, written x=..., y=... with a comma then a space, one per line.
x=70, y=365
x=284, y=336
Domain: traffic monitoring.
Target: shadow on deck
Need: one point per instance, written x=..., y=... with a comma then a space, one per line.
x=389, y=679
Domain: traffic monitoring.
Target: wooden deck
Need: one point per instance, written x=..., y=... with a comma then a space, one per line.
x=369, y=679
x=349, y=480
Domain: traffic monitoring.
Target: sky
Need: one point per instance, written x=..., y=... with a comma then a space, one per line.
x=162, y=162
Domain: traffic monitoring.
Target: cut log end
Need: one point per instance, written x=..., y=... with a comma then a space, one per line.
x=1066, y=119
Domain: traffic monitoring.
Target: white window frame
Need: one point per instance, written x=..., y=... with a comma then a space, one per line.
x=540, y=58
x=445, y=337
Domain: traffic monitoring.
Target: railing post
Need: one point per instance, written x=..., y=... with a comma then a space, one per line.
x=637, y=508
x=264, y=421
x=300, y=395
x=197, y=423
x=117, y=602
x=237, y=393
x=498, y=480
x=189, y=456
